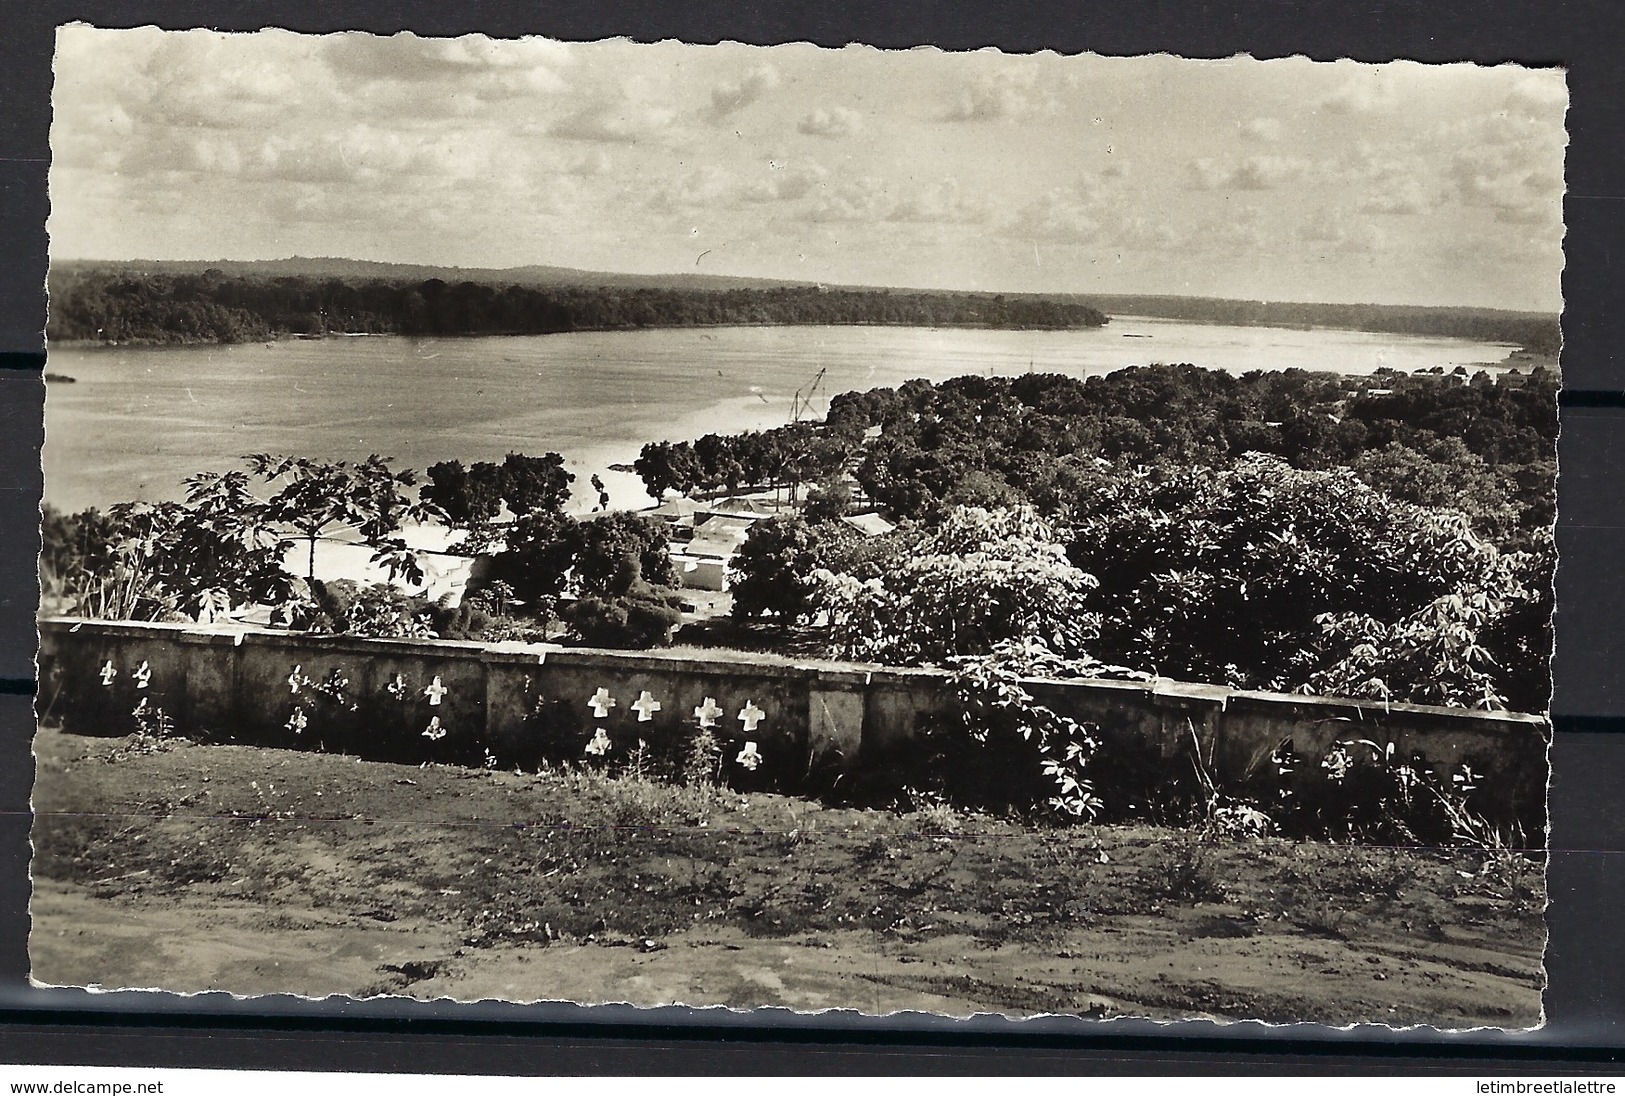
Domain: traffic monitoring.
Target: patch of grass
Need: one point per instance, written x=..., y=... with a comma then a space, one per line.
x=1517, y=877
x=1314, y=912
x=1356, y=873
x=571, y=855
x=1185, y=869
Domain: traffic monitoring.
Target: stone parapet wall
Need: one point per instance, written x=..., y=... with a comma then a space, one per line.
x=815, y=726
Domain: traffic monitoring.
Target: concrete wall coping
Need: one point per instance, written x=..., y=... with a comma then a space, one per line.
x=657, y=662
x=364, y=645
x=815, y=673
x=139, y=628
x=1376, y=710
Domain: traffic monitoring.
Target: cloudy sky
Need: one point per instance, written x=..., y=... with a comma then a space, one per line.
x=1275, y=180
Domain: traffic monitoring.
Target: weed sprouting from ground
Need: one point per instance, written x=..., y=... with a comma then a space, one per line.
x=154, y=733
x=1314, y=912
x=933, y=815
x=1519, y=878
x=702, y=763
x=1186, y=869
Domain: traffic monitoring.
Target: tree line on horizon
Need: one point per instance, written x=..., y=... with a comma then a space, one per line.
x=114, y=306
x=1537, y=332
x=125, y=303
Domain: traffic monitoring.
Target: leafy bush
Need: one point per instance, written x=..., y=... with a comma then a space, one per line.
x=634, y=620
x=997, y=749
x=535, y=563
x=1185, y=870
x=1265, y=576
x=827, y=502
x=380, y=611
x=549, y=554
x=981, y=578
x=309, y=497
x=773, y=570
x=474, y=621
x=617, y=549
x=1371, y=792
x=169, y=560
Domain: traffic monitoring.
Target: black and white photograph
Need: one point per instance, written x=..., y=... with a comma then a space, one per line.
x=787, y=527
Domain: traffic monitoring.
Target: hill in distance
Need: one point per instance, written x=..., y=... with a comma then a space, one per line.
x=536, y=276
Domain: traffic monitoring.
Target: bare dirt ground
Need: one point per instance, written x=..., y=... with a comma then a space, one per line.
x=256, y=871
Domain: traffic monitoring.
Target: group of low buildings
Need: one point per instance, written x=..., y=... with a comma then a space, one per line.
x=705, y=535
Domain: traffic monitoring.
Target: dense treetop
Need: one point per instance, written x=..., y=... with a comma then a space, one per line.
x=1382, y=536
x=920, y=448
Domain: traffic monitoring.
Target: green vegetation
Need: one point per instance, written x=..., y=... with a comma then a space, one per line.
x=170, y=302
x=1385, y=538
x=222, y=549
x=132, y=306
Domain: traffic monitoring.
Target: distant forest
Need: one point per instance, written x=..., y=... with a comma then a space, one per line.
x=1537, y=332
x=161, y=303
x=212, y=307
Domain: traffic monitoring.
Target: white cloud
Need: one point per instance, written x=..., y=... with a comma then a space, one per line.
x=1505, y=179
x=1370, y=90
x=698, y=188
x=711, y=187
x=1333, y=230
x=611, y=121
x=1097, y=210
x=1259, y=172
x=939, y=204
x=1261, y=129
x=783, y=182
x=478, y=66
x=848, y=201
x=1542, y=95
x=595, y=162
x=734, y=95
x=1060, y=216
x=1005, y=96
x=833, y=122
x=482, y=152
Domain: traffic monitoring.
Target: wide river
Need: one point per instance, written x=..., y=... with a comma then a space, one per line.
x=136, y=422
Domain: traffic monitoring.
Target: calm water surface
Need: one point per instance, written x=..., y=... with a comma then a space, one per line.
x=138, y=421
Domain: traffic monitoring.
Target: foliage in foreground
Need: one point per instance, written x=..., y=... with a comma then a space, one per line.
x=1258, y=576
x=222, y=549
x=981, y=578
x=1268, y=577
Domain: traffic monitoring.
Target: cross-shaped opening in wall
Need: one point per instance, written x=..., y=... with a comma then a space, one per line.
x=646, y=706
x=601, y=702
x=707, y=713
x=750, y=715
x=434, y=691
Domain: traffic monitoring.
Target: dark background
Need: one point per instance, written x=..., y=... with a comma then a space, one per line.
x=1586, y=959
